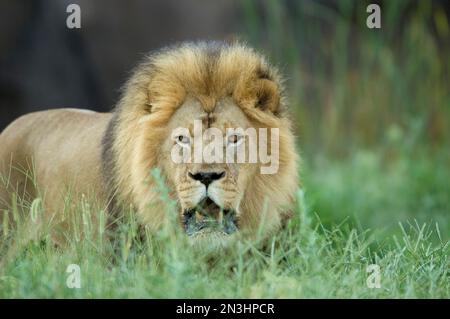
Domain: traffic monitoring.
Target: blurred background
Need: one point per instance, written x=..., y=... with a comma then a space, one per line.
x=371, y=106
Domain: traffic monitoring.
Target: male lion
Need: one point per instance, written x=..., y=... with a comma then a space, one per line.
x=111, y=156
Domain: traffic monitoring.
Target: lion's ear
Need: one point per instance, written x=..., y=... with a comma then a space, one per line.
x=268, y=96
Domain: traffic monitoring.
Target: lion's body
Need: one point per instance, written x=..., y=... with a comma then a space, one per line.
x=60, y=151
x=112, y=154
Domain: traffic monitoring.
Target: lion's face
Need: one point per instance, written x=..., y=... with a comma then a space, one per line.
x=209, y=193
x=219, y=87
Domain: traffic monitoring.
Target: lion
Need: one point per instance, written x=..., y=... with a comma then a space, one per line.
x=111, y=155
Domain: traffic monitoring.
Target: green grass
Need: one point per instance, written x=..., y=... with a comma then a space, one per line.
x=309, y=259
x=372, y=192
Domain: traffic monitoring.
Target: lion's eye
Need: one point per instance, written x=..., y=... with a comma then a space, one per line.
x=234, y=139
x=183, y=140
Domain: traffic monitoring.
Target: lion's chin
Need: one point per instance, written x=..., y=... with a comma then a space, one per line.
x=211, y=241
x=207, y=219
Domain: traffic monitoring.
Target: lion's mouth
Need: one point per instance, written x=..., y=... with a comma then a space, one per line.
x=207, y=216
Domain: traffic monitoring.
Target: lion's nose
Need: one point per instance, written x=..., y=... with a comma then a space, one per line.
x=207, y=177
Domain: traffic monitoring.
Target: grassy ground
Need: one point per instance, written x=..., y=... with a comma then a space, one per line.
x=312, y=258
x=372, y=112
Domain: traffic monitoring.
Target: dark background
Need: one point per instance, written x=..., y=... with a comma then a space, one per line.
x=46, y=65
x=43, y=64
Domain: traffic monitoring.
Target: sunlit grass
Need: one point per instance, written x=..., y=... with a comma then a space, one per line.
x=308, y=259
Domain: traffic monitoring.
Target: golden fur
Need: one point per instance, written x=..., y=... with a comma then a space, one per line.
x=111, y=155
